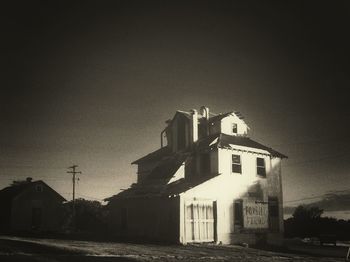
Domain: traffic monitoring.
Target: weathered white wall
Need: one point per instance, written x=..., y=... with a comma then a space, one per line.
x=226, y=125
x=248, y=161
x=275, y=187
x=228, y=187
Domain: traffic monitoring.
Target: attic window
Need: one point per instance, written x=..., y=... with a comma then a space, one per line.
x=39, y=188
x=234, y=128
x=260, y=167
x=236, y=164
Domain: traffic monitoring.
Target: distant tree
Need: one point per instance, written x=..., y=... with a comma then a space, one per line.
x=90, y=216
x=307, y=214
x=308, y=222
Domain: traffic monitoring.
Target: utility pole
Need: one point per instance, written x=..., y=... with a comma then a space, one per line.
x=73, y=172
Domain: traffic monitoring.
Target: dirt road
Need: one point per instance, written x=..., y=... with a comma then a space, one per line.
x=53, y=250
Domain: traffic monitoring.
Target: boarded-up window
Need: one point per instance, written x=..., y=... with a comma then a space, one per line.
x=200, y=221
x=260, y=167
x=236, y=164
x=238, y=212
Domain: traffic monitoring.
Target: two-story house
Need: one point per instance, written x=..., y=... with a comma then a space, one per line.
x=209, y=182
x=30, y=206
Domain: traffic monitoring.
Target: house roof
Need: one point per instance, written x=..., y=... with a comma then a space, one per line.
x=155, y=155
x=184, y=113
x=10, y=192
x=225, y=141
x=158, y=190
x=219, y=117
x=168, y=167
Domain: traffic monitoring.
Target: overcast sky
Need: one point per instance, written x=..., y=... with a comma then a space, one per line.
x=92, y=82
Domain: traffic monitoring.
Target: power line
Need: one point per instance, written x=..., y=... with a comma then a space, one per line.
x=315, y=141
x=306, y=198
x=28, y=166
x=318, y=196
x=317, y=159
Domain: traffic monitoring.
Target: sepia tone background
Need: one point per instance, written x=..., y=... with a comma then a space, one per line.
x=92, y=82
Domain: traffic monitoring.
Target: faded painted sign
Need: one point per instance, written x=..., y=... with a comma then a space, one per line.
x=255, y=214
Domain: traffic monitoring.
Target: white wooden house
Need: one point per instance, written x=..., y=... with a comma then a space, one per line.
x=209, y=182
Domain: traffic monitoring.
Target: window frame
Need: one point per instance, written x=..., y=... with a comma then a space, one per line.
x=39, y=188
x=234, y=126
x=236, y=164
x=260, y=167
x=238, y=213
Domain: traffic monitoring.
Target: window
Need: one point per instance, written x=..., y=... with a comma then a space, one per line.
x=260, y=167
x=238, y=215
x=236, y=164
x=234, y=128
x=39, y=188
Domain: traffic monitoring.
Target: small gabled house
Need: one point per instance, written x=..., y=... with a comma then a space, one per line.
x=30, y=205
x=209, y=182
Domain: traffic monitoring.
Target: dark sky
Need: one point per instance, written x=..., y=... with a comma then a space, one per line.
x=92, y=82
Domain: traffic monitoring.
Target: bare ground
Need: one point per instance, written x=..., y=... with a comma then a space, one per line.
x=53, y=250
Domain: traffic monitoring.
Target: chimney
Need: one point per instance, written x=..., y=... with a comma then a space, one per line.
x=194, y=127
x=204, y=111
x=29, y=179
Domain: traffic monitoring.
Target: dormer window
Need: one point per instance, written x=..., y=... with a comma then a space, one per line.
x=234, y=128
x=260, y=167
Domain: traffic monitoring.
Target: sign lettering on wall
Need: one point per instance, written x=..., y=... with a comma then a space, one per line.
x=255, y=214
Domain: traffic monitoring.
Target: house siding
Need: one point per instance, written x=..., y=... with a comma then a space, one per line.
x=203, y=203
x=228, y=187
x=46, y=201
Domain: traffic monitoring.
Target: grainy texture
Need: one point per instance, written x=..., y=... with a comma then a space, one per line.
x=20, y=249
